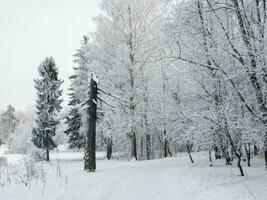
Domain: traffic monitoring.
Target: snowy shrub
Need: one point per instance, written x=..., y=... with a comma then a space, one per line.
x=20, y=141
x=3, y=161
x=30, y=173
x=38, y=154
x=24, y=172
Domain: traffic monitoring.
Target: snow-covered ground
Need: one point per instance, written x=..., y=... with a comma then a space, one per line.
x=166, y=179
x=54, y=156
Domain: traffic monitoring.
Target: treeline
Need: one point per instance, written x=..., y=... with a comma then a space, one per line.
x=192, y=76
x=174, y=75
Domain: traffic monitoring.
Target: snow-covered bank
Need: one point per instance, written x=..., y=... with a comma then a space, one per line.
x=54, y=156
x=166, y=179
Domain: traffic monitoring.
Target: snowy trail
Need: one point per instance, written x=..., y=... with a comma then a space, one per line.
x=144, y=182
x=166, y=179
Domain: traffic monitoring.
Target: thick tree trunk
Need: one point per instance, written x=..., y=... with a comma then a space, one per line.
x=90, y=149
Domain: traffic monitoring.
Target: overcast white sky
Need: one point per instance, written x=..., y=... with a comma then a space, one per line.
x=30, y=30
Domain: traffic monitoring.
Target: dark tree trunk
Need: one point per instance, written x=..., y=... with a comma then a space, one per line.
x=109, y=148
x=265, y=150
x=237, y=153
x=191, y=159
x=226, y=155
x=228, y=160
x=256, y=150
x=142, y=148
x=148, y=147
x=189, y=149
x=239, y=165
x=134, y=148
x=247, y=149
x=90, y=149
x=47, y=155
x=47, y=134
x=165, y=144
x=232, y=155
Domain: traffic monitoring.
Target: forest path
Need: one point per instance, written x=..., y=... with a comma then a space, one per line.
x=144, y=181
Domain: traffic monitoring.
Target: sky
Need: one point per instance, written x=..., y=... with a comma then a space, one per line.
x=31, y=30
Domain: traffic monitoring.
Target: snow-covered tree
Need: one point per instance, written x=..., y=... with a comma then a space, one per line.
x=124, y=37
x=8, y=124
x=48, y=105
x=76, y=119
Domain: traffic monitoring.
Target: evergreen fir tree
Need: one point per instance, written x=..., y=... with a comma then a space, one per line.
x=48, y=105
x=76, y=118
x=74, y=121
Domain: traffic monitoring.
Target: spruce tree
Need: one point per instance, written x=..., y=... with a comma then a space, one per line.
x=77, y=117
x=74, y=121
x=48, y=105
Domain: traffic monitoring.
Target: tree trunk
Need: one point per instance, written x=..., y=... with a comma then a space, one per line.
x=256, y=150
x=148, y=147
x=265, y=150
x=210, y=159
x=47, y=154
x=165, y=144
x=109, y=148
x=239, y=165
x=133, y=145
x=232, y=155
x=90, y=149
x=189, y=149
x=47, y=133
x=247, y=149
x=169, y=150
x=142, y=148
